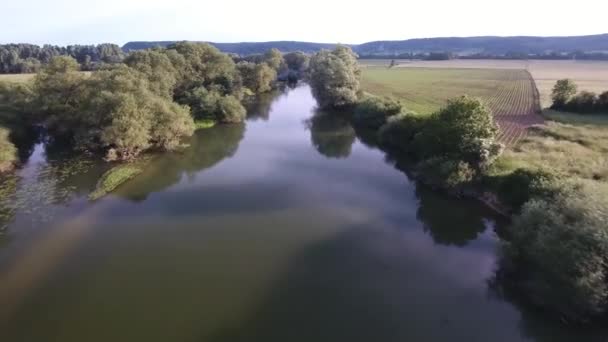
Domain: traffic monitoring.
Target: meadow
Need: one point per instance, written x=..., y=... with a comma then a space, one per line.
x=509, y=93
x=16, y=78
x=589, y=75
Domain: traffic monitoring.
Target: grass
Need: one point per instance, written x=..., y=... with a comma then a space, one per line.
x=573, y=118
x=202, y=124
x=114, y=177
x=589, y=75
x=16, y=78
x=425, y=90
x=575, y=150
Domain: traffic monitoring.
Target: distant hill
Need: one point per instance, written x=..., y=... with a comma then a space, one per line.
x=242, y=48
x=489, y=45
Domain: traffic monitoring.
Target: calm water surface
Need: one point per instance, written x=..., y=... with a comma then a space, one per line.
x=285, y=228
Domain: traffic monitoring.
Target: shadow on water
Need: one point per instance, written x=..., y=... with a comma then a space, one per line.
x=331, y=134
x=447, y=223
x=207, y=148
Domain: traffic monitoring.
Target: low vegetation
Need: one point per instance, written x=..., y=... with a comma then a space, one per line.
x=115, y=177
x=373, y=112
x=8, y=152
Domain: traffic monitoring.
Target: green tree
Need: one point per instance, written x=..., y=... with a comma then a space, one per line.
x=297, y=61
x=200, y=64
x=157, y=67
x=335, y=77
x=212, y=105
x=559, y=247
x=562, y=92
x=59, y=89
x=463, y=130
x=257, y=77
x=274, y=59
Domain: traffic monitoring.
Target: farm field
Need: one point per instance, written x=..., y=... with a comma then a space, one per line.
x=589, y=75
x=509, y=93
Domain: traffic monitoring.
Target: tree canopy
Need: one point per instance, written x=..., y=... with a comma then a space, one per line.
x=335, y=77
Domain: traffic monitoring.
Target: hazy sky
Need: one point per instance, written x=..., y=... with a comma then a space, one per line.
x=118, y=21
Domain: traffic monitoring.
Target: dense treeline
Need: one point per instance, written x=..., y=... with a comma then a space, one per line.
x=148, y=102
x=566, y=98
x=28, y=58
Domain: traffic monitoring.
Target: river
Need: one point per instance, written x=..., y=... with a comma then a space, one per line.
x=289, y=227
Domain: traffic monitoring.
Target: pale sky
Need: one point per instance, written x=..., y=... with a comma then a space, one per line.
x=118, y=21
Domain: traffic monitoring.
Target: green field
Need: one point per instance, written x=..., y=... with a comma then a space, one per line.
x=589, y=75
x=509, y=93
x=16, y=77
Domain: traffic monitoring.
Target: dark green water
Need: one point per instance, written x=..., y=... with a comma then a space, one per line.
x=286, y=228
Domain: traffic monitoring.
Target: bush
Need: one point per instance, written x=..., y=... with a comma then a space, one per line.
x=399, y=131
x=230, y=110
x=463, y=130
x=211, y=105
x=518, y=187
x=445, y=173
x=559, y=245
x=374, y=111
x=113, y=178
x=8, y=152
x=583, y=102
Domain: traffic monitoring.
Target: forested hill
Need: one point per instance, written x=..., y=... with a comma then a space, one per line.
x=242, y=48
x=487, y=46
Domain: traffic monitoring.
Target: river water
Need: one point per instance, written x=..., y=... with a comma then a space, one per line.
x=285, y=228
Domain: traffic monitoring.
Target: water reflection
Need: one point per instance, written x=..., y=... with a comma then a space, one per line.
x=207, y=148
x=331, y=134
x=259, y=108
x=446, y=222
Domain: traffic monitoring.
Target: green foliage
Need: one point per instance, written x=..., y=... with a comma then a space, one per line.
x=335, y=77
x=203, y=124
x=518, y=187
x=17, y=97
x=559, y=245
x=8, y=152
x=60, y=94
x=274, y=59
x=157, y=67
x=202, y=65
x=297, y=61
x=28, y=58
x=445, y=173
x=211, y=105
x=463, y=130
x=374, y=111
x=562, y=92
x=583, y=102
x=399, y=131
x=257, y=77
x=115, y=177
